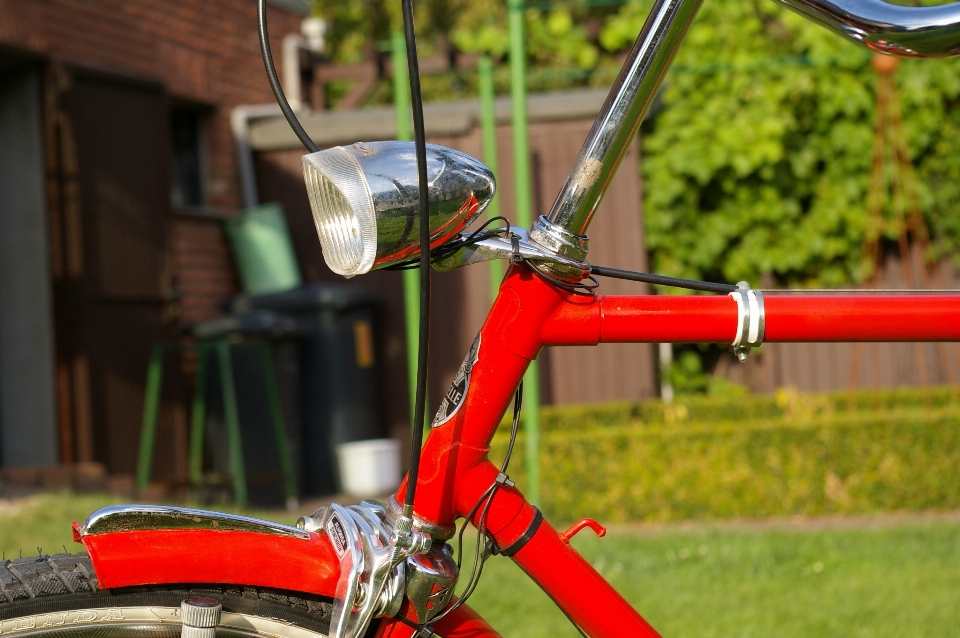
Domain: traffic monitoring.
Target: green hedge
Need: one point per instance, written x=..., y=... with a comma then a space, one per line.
x=786, y=402
x=808, y=455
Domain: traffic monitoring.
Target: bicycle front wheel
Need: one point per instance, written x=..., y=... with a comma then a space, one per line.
x=59, y=597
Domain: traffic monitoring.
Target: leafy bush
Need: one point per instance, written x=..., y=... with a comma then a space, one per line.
x=790, y=454
x=758, y=165
x=786, y=403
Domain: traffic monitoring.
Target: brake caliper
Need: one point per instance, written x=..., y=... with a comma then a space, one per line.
x=376, y=571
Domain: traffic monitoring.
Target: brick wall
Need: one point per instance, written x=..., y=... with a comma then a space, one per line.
x=202, y=51
x=173, y=53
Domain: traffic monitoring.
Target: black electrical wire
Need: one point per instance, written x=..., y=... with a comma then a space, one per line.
x=661, y=280
x=267, y=56
x=574, y=287
x=452, y=246
x=514, y=427
x=480, y=554
x=420, y=144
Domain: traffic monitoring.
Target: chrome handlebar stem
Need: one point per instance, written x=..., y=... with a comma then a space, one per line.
x=627, y=103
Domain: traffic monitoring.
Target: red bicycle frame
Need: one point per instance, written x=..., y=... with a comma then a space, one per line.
x=530, y=314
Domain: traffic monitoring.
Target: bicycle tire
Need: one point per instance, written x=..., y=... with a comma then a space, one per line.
x=59, y=597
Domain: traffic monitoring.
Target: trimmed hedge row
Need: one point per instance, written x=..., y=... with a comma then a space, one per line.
x=841, y=462
x=786, y=402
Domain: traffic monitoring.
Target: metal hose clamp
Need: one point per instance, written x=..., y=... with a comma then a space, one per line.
x=751, y=319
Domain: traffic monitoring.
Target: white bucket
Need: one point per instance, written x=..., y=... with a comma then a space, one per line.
x=369, y=468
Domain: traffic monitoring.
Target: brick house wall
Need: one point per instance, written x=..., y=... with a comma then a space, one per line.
x=198, y=55
x=203, y=52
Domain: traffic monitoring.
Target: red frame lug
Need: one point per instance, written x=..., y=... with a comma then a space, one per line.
x=575, y=529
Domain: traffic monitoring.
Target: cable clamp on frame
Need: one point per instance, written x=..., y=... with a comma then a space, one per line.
x=751, y=319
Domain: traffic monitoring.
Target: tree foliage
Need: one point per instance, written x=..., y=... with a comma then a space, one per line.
x=758, y=164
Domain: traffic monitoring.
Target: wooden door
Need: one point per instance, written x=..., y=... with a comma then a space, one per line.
x=111, y=257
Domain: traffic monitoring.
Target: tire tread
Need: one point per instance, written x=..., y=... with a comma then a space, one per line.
x=66, y=580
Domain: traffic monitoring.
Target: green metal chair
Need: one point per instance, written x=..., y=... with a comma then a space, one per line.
x=266, y=262
x=216, y=338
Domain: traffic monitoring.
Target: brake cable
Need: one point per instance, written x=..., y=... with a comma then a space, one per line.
x=420, y=144
x=662, y=280
x=424, y=213
x=267, y=56
x=481, y=553
x=486, y=499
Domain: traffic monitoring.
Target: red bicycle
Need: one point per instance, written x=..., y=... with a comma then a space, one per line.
x=385, y=568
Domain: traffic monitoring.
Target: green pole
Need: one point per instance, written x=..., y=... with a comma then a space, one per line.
x=151, y=406
x=198, y=419
x=411, y=278
x=521, y=162
x=488, y=128
x=231, y=417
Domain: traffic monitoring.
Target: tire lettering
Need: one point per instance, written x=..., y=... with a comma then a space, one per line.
x=54, y=620
x=86, y=616
x=113, y=614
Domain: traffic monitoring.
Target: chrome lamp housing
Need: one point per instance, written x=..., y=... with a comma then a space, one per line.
x=365, y=201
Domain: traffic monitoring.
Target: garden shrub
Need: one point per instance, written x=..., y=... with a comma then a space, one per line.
x=784, y=455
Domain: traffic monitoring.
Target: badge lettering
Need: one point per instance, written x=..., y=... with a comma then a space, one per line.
x=338, y=535
x=457, y=394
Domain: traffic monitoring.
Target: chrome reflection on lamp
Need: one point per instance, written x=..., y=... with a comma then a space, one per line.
x=364, y=200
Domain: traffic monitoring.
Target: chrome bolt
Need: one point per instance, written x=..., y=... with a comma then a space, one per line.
x=200, y=616
x=309, y=524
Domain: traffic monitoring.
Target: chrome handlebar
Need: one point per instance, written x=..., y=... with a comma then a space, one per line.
x=904, y=31
x=916, y=32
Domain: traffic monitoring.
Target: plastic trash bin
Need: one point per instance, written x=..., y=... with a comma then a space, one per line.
x=338, y=381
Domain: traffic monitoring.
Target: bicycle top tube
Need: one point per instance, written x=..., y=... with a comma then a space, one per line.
x=904, y=31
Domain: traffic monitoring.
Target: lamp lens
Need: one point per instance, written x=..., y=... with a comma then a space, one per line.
x=342, y=211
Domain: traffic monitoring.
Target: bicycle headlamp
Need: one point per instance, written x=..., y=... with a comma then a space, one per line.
x=364, y=199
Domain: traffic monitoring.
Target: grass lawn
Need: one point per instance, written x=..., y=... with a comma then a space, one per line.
x=891, y=579
x=44, y=521
x=896, y=580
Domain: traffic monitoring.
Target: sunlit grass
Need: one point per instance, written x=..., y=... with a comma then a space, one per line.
x=44, y=521
x=901, y=580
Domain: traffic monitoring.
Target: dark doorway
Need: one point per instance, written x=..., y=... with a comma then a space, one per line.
x=113, y=284
x=28, y=434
